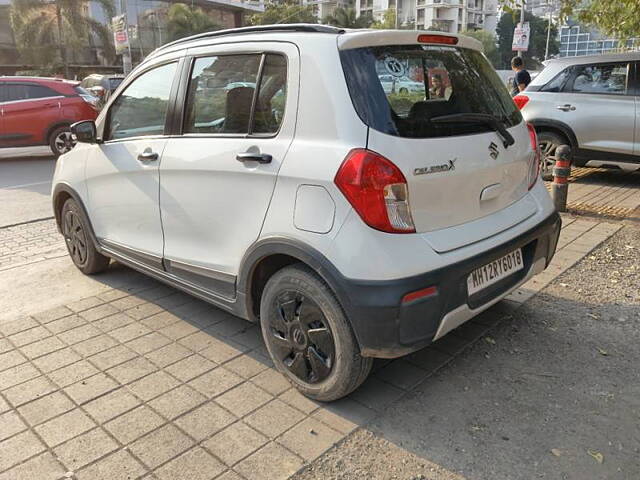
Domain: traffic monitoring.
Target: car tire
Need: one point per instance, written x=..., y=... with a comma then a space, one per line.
x=75, y=229
x=403, y=91
x=61, y=141
x=549, y=142
x=309, y=337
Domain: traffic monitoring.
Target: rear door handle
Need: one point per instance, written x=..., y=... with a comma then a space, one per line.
x=148, y=156
x=254, y=157
x=565, y=108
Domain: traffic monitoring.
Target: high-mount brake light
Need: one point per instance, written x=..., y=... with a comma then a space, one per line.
x=520, y=101
x=377, y=190
x=430, y=38
x=534, y=165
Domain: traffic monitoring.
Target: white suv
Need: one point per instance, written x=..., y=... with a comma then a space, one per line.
x=349, y=222
x=591, y=104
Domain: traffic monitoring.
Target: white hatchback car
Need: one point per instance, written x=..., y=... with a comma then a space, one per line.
x=309, y=203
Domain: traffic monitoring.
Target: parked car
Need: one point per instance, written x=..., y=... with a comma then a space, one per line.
x=591, y=104
x=39, y=111
x=347, y=230
x=102, y=86
x=402, y=85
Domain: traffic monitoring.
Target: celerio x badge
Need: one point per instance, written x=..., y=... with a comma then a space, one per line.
x=446, y=167
x=493, y=150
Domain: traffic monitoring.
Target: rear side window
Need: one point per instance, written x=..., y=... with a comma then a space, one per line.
x=14, y=92
x=141, y=109
x=399, y=89
x=603, y=79
x=222, y=95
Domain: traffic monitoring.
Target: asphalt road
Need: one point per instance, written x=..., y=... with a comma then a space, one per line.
x=25, y=183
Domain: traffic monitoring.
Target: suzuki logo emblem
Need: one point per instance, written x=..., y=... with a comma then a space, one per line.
x=493, y=150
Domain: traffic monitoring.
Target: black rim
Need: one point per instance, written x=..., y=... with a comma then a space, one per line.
x=75, y=237
x=300, y=337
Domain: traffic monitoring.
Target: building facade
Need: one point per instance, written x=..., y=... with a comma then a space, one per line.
x=451, y=16
x=576, y=41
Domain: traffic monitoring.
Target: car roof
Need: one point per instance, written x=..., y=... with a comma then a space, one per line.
x=554, y=66
x=48, y=80
x=603, y=58
x=298, y=32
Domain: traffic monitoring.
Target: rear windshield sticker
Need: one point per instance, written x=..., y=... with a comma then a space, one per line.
x=394, y=67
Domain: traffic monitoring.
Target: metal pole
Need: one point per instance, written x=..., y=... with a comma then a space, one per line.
x=546, y=49
x=126, y=55
x=521, y=24
x=561, y=172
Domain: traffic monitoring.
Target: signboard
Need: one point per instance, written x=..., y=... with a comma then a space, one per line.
x=120, y=34
x=521, y=37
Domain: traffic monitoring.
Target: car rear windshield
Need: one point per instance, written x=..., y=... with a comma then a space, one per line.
x=399, y=89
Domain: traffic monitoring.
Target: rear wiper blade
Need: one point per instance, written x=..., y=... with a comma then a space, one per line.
x=494, y=122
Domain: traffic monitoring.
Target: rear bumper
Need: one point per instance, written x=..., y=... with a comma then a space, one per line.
x=387, y=328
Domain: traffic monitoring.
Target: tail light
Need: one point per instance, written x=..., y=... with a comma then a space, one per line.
x=534, y=162
x=520, y=101
x=377, y=190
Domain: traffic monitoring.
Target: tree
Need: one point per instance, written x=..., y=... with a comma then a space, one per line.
x=488, y=41
x=617, y=19
x=183, y=20
x=49, y=32
x=288, y=11
x=346, y=18
x=388, y=20
x=537, y=40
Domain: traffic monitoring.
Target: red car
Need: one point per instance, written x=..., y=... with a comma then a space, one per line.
x=39, y=111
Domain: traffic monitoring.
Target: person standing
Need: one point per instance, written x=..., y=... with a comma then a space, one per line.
x=521, y=78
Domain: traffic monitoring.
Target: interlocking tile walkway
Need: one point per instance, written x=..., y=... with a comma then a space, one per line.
x=29, y=243
x=147, y=382
x=604, y=192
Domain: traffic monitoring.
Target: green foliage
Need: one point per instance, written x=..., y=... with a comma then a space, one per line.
x=388, y=20
x=49, y=32
x=346, y=18
x=488, y=41
x=285, y=12
x=617, y=19
x=537, y=40
x=183, y=20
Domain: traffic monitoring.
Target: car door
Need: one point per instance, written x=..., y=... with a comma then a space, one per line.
x=29, y=111
x=218, y=175
x=122, y=173
x=599, y=105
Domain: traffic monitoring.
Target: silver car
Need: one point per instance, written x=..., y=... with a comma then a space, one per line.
x=591, y=104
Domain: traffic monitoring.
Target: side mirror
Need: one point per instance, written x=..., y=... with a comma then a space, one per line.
x=85, y=131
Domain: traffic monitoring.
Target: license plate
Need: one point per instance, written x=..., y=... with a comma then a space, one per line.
x=494, y=272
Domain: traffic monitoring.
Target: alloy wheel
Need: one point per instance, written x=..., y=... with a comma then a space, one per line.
x=547, y=157
x=75, y=237
x=300, y=337
x=64, y=142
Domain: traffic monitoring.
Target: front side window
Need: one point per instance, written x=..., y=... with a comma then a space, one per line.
x=558, y=82
x=222, y=90
x=141, y=109
x=399, y=89
x=603, y=79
